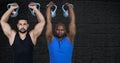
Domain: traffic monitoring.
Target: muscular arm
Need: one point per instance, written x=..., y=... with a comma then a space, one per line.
x=72, y=25
x=49, y=34
x=39, y=26
x=5, y=26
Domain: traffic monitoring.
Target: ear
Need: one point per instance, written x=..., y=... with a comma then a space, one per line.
x=17, y=25
x=28, y=25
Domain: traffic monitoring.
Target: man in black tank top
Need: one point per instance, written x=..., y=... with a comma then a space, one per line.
x=22, y=41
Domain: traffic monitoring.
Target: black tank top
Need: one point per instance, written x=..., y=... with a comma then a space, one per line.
x=22, y=49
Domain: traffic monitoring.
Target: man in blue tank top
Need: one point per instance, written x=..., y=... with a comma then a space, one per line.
x=22, y=41
x=60, y=43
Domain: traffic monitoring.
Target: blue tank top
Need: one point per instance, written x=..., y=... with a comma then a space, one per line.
x=22, y=49
x=60, y=51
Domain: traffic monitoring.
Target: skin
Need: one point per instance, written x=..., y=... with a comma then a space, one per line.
x=60, y=30
x=22, y=25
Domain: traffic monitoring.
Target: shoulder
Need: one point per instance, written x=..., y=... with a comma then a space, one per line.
x=12, y=37
x=71, y=38
x=31, y=34
x=13, y=33
x=32, y=37
x=50, y=39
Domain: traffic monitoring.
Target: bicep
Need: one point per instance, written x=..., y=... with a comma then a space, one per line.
x=72, y=29
x=49, y=33
x=6, y=29
x=38, y=29
x=49, y=29
x=49, y=38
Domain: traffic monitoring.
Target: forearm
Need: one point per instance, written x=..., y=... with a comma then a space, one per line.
x=5, y=26
x=49, y=24
x=48, y=14
x=6, y=15
x=39, y=15
x=72, y=24
x=72, y=15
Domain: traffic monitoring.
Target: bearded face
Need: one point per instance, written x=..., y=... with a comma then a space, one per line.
x=22, y=26
x=60, y=31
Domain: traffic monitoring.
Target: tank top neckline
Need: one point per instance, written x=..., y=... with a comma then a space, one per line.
x=24, y=38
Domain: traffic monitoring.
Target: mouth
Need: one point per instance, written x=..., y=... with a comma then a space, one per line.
x=22, y=30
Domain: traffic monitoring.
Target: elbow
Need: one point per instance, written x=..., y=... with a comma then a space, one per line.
x=44, y=22
x=3, y=20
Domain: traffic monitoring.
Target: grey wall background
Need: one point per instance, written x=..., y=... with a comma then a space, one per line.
x=98, y=30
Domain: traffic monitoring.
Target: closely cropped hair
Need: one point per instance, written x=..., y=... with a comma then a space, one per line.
x=60, y=24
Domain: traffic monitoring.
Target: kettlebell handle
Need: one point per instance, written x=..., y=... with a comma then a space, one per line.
x=53, y=11
x=65, y=12
x=32, y=11
x=15, y=12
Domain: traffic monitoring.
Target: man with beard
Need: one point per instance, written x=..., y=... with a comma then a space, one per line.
x=60, y=43
x=22, y=42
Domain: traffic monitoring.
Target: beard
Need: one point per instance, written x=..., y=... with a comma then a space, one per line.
x=22, y=30
x=60, y=36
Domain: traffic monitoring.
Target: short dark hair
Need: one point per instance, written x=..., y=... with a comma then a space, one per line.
x=23, y=19
x=56, y=27
x=60, y=24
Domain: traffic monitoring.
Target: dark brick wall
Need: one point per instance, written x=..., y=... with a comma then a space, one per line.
x=98, y=31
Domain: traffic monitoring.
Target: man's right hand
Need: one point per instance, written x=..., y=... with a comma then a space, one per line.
x=51, y=4
x=14, y=5
x=69, y=5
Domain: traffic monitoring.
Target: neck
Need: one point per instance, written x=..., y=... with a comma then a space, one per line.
x=60, y=38
x=22, y=35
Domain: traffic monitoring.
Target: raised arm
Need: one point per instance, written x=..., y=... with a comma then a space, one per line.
x=5, y=26
x=40, y=25
x=49, y=33
x=72, y=25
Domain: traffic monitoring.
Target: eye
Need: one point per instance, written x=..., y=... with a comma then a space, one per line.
x=24, y=24
x=20, y=24
x=57, y=29
x=62, y=29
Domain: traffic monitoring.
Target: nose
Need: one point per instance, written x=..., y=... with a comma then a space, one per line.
x=22, y=26
x=60, y=31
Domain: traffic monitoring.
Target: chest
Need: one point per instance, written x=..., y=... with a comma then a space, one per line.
x=63, y=45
